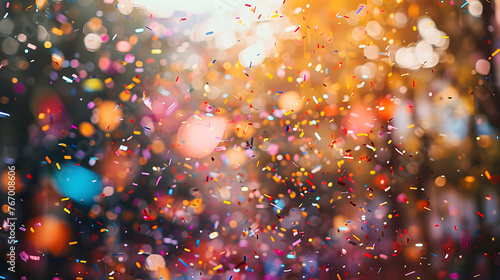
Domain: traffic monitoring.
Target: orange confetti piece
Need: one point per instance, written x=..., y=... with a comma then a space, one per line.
x=57, y=31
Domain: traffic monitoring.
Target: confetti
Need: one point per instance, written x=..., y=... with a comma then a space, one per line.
x=248, y=139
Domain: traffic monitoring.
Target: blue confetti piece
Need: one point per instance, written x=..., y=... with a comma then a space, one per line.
x=183, y=262
x=359, y=10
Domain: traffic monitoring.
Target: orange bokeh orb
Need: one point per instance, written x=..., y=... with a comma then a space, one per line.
x=52, y=234
x=109, y=115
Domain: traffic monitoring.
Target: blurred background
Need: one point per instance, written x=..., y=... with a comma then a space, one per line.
x=253, y=139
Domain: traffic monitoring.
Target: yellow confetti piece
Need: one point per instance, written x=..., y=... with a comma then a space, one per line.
x=356, y=237
x=411, y=125
x=65, y=198
x=66, y=210
x=67, y=157
x=301, y=134
x=187, y=250
x=227, y=202
x=103, y=229
x=272, y=239
x=188, y=166
x=58, y=166
x=494, y=53
x=73, y=243
x=45, y=127
x=82, y=261
x=217, y=267
x=137, y=132
x=32, y=230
